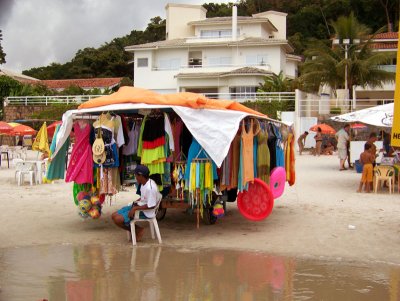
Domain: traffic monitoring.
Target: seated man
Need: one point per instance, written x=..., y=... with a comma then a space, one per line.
x=149, y=196
x=329, y=148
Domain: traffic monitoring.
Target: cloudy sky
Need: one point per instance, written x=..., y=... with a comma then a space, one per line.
x=39, y=32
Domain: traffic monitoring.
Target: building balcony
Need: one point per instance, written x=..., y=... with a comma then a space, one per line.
x=212, y=68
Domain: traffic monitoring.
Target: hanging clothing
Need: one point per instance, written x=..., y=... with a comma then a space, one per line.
x=80, y=168
x=56, y=168
x=108, y=181
x=263, y=156
x=247, y=153
x=106, y=125
x=196, y=151
x=290, y=160
x=272, y=146
x=177, y=127
x=235, y=147
x=280, y=154
x=133, y=134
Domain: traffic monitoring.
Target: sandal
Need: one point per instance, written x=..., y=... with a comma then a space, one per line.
x=343, y=169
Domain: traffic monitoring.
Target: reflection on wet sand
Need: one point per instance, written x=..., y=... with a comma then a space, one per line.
x=95, y=272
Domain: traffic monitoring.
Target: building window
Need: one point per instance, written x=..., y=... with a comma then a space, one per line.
x=214, y=34
x=243, y=92
x=143, y=62
x=257, y=60
x=169, y=64
x=220, y=61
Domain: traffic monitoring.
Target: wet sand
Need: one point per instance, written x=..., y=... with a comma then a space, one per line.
x=311, y=219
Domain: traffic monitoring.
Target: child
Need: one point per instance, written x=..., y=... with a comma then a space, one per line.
x=366, y=158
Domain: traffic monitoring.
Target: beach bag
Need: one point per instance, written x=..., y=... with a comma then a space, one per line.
x=98, y=148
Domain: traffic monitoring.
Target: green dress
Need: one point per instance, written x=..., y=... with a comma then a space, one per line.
x=263, y=156
x=56, y=168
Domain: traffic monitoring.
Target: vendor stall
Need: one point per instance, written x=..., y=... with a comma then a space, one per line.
x=197, y=149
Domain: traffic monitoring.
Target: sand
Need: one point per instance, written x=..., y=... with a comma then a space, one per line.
x=311, y=219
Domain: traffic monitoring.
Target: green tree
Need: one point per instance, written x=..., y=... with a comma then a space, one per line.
x=326, y=64
x=277, y=83
x=2, y=54
x=7, y=86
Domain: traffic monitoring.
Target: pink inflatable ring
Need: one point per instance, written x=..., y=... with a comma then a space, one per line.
x=277, y=181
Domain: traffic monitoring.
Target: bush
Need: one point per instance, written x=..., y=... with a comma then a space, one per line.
x=336, y=111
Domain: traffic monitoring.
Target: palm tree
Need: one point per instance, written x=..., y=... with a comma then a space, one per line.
x=276, y=83
x=326, y=65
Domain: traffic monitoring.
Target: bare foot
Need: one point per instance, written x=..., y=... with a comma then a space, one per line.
x=139, y=234
x=358, y=190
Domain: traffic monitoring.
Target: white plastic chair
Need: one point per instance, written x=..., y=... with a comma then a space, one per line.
x=153, y=224
x=25, y=168
x=384, y=173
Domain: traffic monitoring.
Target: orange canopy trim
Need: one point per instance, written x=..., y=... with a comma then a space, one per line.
x=184, y=99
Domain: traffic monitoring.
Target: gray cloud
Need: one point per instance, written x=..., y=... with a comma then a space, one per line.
x=37, y=33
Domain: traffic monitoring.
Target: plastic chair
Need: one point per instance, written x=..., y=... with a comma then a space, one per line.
x=25, y=168
x=153, y=224
x=384, y=173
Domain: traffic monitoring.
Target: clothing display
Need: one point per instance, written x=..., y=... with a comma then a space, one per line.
x=160, y=140
x=80, y=167
x=56, y=168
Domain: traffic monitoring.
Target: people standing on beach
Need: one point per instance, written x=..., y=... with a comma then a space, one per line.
x=302, y=141
x=318, y=142
x=342, y=138
x=367, y=159
x=371, y=141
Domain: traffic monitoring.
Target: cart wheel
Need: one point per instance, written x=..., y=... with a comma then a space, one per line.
x=161, y=213
x=208, y=217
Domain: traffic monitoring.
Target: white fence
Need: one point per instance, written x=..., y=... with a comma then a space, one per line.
x=47, y=100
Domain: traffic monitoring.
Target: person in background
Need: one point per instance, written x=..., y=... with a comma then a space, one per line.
x=367, y=159
x=342, y=138
x=318, y=142
x=20, y=141
x=329, y=148
x=302, y=141
x=371, y=141
x=386, y=144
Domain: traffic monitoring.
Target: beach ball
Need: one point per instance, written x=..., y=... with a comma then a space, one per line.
x=85, y=205
x=94, y=212
x=87, y=197
x=83, y=214
x=94, y=200
x=218, y=210
x=80, y=196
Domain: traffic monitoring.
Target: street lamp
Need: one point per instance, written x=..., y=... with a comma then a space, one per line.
x=345, y=44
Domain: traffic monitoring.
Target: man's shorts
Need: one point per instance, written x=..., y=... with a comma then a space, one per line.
x=342, y=152
x=124, y=213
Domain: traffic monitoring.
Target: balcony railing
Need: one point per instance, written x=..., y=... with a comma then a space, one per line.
x=47, y=100
x=261, y=65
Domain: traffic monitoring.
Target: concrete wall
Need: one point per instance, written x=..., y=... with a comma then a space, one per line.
x=278, y=19
x=22, y=112
x=178, y=16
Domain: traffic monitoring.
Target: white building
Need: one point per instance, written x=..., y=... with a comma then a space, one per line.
x=382, y=42
x=202, y=55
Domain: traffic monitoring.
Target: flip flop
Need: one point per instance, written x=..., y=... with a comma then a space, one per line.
x=343, y=169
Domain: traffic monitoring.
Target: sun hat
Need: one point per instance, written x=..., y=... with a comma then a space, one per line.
x=142, y=170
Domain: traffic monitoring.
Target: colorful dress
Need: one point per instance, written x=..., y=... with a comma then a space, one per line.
x=80, y=168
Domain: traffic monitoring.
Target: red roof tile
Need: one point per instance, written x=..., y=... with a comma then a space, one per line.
x=384, y=46
x=386, y=35
x=84, y=83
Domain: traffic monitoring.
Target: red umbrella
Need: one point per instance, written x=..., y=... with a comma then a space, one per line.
x=357, y=126
x=52, y=127
x=22, y=130
x=5, y=127
x=326, y=129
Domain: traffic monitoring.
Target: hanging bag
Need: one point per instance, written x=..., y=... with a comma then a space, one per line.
x=98, y=149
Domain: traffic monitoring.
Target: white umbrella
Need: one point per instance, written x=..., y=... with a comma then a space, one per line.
x=381, y=116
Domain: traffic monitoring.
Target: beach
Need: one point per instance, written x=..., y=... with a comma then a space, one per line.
x=321, y=216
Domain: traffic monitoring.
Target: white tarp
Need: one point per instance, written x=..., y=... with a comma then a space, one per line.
x=381, y=116
x=213, y=129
